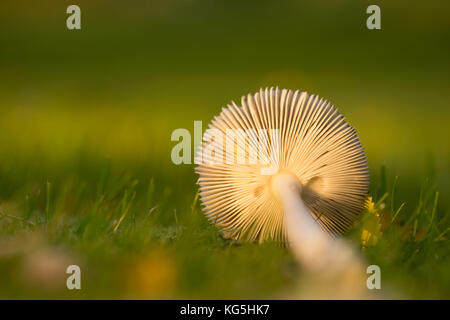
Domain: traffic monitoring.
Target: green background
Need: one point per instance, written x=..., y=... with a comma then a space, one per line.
x=86, y=118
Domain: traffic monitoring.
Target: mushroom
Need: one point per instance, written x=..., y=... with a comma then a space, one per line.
x=316, y=178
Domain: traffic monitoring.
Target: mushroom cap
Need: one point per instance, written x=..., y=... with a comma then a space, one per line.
x=311, y=141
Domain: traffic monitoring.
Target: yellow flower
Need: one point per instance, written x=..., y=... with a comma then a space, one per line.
x=368, y=239
x=372, y=225
x=152, y=275
x=369, y=204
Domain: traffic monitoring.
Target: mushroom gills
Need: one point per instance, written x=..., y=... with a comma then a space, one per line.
x=321, y=180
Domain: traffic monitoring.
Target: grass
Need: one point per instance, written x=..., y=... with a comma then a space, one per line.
x=131, y=241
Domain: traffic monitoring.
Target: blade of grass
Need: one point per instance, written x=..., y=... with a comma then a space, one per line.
x=126, y=203
x=397, y=212
x=433, y=211
x=2, y=214
x=47, y=202
x=382, y=186
x=175, y=216
x=150, y=192
x=441, y=236
x=394, y=186
x=380, y=201
x=103, y=178
x=194, y=203
x=26, y=207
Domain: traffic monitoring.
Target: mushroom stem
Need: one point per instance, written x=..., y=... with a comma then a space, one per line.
x=314, y=248
x=308, y=242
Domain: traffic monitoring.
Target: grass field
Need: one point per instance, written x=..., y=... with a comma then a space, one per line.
x=86, y=117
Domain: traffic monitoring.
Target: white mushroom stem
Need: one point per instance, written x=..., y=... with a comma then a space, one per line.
x=315, y=249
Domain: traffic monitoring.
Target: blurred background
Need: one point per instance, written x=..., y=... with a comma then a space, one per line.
x=86, y=118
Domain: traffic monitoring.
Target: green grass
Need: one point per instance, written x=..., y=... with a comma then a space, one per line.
x=114, y=226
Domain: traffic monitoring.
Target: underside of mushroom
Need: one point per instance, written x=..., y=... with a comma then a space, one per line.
x=282, y=136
